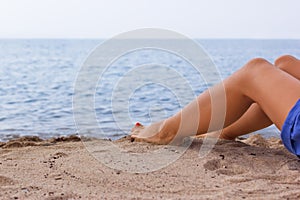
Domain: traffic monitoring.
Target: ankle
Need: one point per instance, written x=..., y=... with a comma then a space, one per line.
x=226, y=136
x=167, y=130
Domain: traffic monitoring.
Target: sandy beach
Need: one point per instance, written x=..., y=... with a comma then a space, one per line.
x=62, y=168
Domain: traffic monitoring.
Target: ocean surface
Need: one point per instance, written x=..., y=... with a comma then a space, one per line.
x=37, y=79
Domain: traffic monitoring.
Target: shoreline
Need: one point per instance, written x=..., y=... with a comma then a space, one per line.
x=62, y=168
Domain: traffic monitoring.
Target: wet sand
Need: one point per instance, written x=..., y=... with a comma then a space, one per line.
x=62, y=168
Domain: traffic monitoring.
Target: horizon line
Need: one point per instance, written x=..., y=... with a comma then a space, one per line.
x=87, y=38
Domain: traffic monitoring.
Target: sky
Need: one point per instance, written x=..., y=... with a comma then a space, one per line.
x=266, y=19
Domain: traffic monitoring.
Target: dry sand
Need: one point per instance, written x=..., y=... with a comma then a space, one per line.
x=62, y=168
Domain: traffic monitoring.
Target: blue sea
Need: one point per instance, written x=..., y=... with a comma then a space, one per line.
x=37, y=79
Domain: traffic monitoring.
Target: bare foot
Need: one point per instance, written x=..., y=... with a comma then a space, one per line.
x=215, y=134
x=155, y=133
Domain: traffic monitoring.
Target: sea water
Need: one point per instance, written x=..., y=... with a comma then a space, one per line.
x=37, y=79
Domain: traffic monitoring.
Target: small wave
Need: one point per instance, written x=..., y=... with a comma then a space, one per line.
x=31, y=101
x=11, y=130
x=11, y=102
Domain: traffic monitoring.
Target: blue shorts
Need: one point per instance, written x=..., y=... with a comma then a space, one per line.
x=290, y=133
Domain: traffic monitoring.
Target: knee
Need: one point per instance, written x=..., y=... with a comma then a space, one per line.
x=256, y=65
x=251, y=73
x=257, y=62
x=284, y=62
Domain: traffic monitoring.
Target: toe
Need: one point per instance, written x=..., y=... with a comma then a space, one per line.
x=137, y=128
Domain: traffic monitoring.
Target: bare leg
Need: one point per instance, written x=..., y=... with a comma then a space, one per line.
x=256, y=82
x=255, y=119
x=289, y=64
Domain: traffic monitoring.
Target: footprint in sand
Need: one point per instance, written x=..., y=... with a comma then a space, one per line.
x=5, y=181
x=212, y=165
x=223, y=167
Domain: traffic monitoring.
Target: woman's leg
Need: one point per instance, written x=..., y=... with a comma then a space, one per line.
x=289, y=64
x=254, y=118
x=258, y=81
